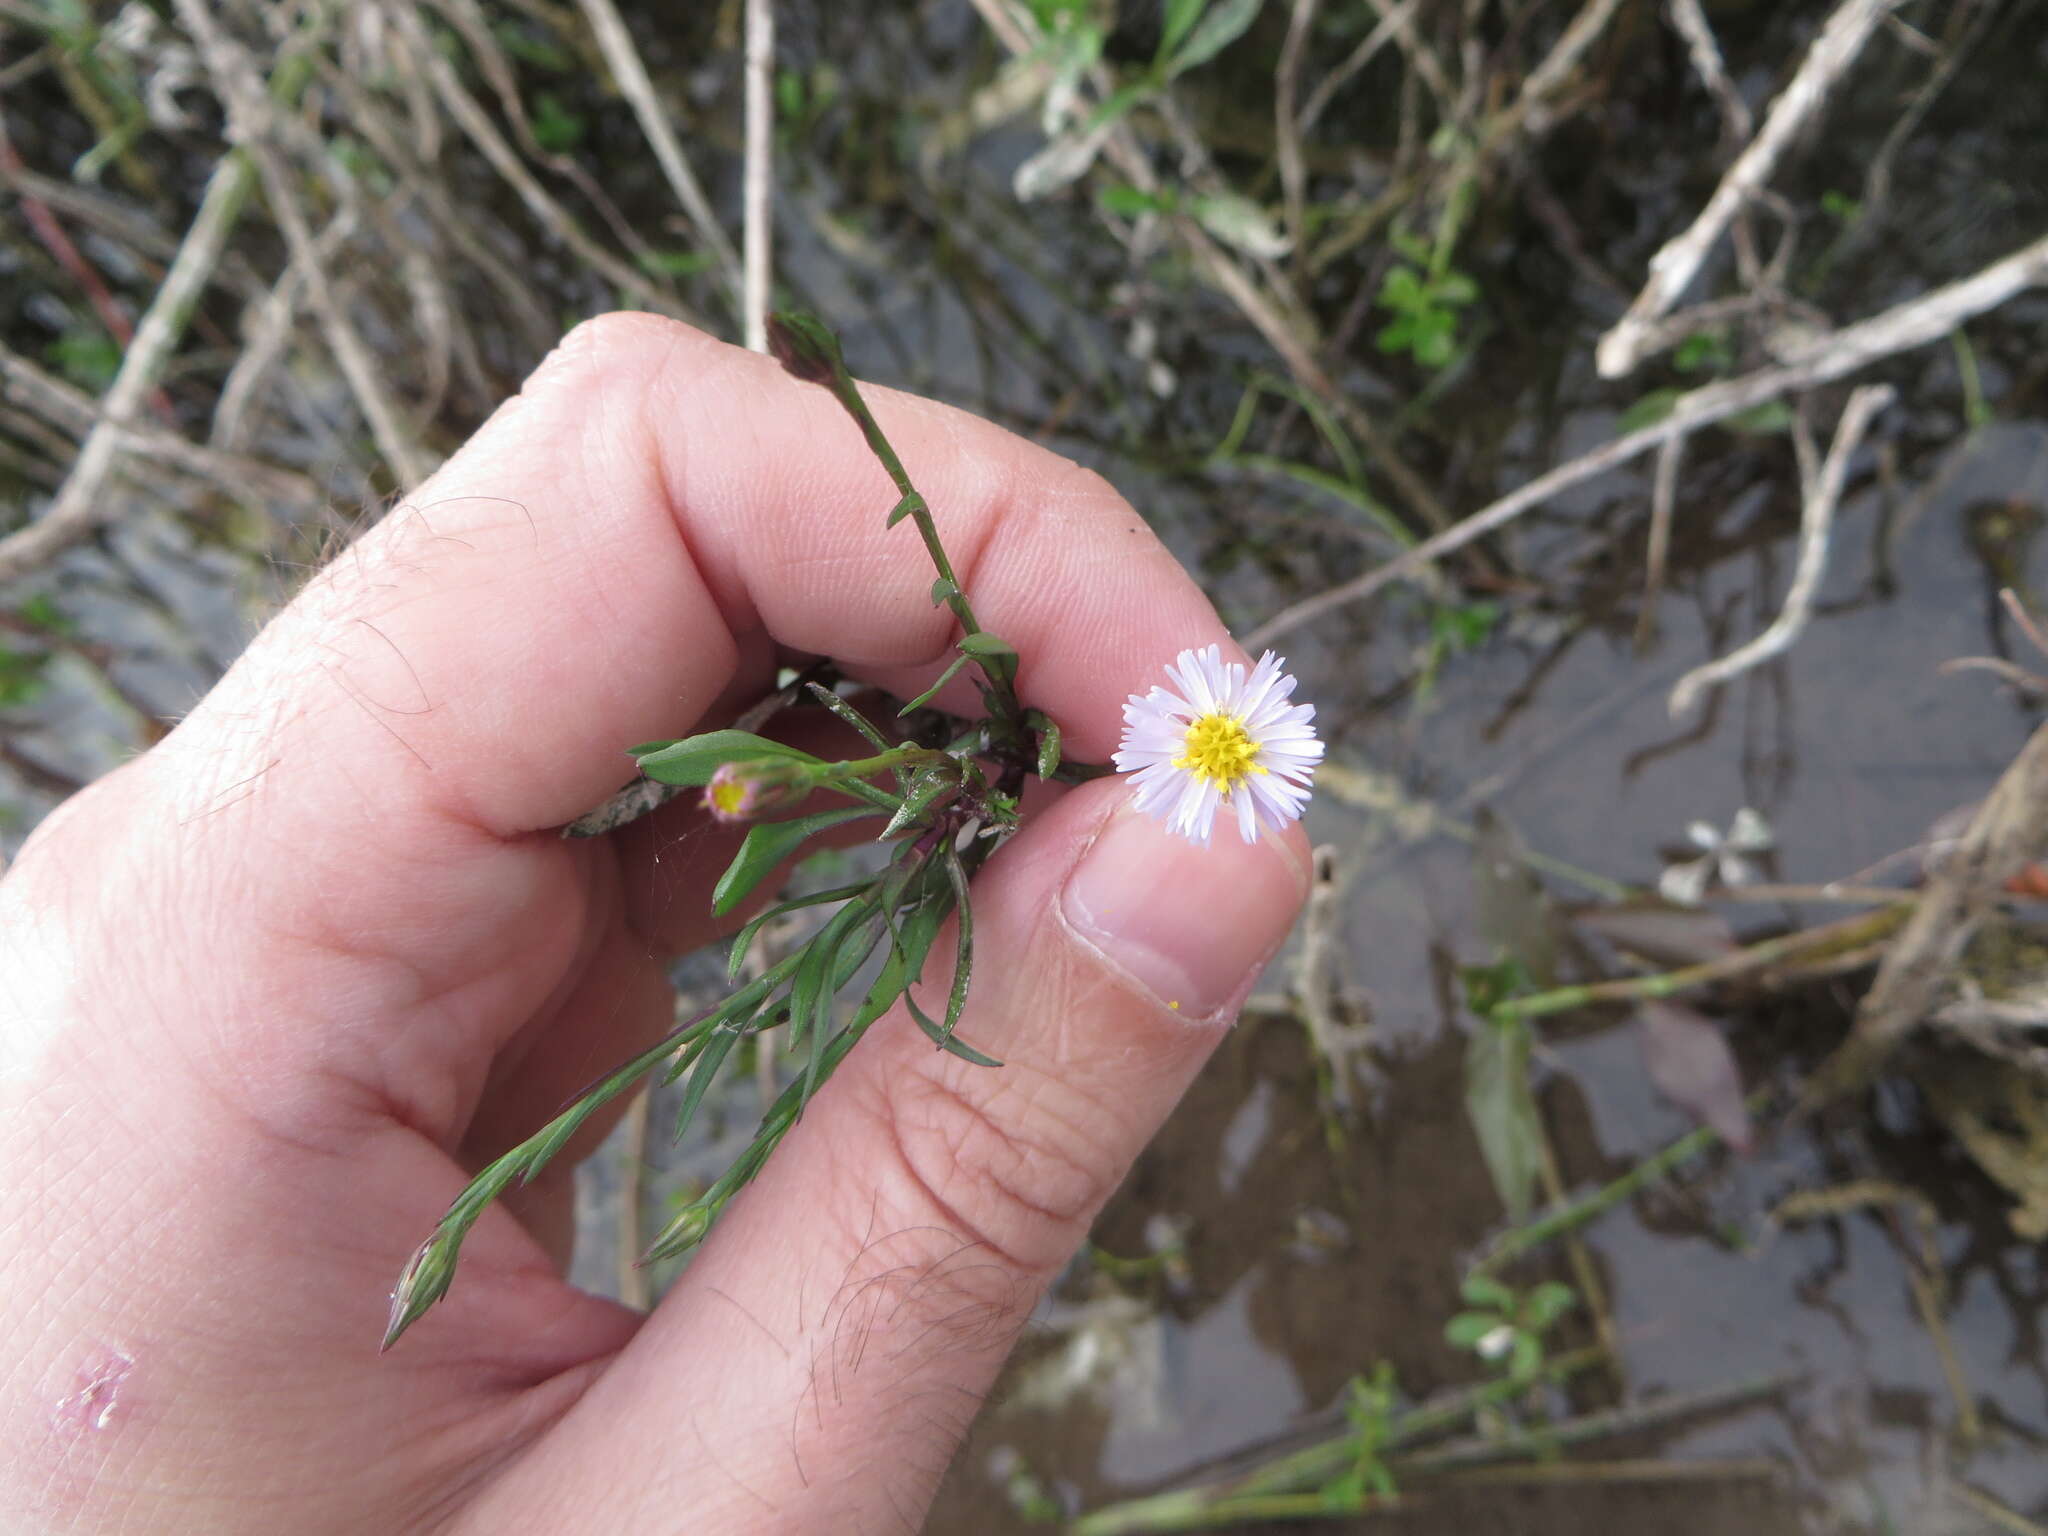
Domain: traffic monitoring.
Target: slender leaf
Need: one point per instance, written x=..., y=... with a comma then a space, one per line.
x=745, y=937
x=1221, y=25
x=963, y=947
x=926, y=697
x=850, y=715
x=716, y=1048
x=911, y=503
x=692, y=761
x=944, y=1038
x=1502, y=1108
x=928, y=787
x=766, y=846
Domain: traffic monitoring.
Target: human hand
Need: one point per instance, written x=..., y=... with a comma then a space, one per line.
x=270, y=992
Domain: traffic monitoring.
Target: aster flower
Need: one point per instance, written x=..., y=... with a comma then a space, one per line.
x=1219, y=739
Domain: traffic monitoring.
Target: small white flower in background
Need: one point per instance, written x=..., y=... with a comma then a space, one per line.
x=1220, y=739
x=1726, y=856
x=1495, y=1342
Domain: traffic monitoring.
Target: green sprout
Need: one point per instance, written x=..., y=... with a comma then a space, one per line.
x=940, y=799
x=1369, y=1404
x=1506, y=1329
x=1424, y=294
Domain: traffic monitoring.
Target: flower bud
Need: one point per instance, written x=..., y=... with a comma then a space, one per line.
x=744, y=790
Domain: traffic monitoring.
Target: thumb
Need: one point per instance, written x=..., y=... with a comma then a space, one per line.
x=836, y=1334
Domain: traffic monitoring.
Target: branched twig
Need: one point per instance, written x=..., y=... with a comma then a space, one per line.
x=81, y=505
x=1673, y=268
x=1691, y=24
x=1822, y=495
x=249, y=109
x=1908, y=325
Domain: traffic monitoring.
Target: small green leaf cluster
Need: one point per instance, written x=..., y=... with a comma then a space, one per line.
x=1505, y=1328
x=1424, y=300
x=1370, y=1403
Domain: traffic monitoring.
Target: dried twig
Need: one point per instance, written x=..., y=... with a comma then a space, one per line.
x=476, y=125
x=1822, y=495
x=1287, y=128
x=759, y=187
x=1663, y=507
x=1691, y=24
x=2009, y=830
x=76, y=411
x=1391, y=22
x=623, y=59
x=1673, y=268
x=1899, y=329
x=249, y=108
x=81, y=505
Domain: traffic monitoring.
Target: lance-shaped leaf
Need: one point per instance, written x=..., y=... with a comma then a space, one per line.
x=928, y=788
x=744, y=939
x=1502, y=1108
x=691, y=761
x=930, y=693
x=910, y=504
x=1048, y=741
x=997, y=656
x=768, y=845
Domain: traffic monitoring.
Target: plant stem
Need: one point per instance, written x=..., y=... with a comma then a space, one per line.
x=1806, y=944
x=1573, y=1214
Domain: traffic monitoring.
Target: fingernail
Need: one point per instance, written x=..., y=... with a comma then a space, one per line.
x=1192, y=926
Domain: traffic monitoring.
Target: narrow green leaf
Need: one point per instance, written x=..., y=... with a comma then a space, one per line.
x=1181, y=15
x=928, y=786
x=692, y=761
x=716, y=1048
x=997, y=656
x=766, y=846
x=911, y=503
x=1221, y=25
x=944, y=590
x=647, y=748
x=963, y=947
x=944, y=1038
x=850, y=715
x=745, y=937
x=1502, y=1109
x=926, y=697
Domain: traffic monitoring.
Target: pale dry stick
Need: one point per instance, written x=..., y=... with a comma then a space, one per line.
x=1546, y=78
x=468, y=19
x=269, y=332
x=457, y=225
x=250, y=111
x=76, y=411
x=1899, y=329
x=1368, y=48
x=1287, y=128
x=758, y=189
x=1816, y=525
x=1663, y=506
x=1673, y=268
x=477, y=127
x=1690, y=22
x=615, y=42
x=1420, y=54
x=81, y=504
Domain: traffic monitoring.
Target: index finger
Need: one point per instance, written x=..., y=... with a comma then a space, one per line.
x=590, y=569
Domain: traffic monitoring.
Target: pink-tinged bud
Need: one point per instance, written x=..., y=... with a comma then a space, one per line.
x=744, y=790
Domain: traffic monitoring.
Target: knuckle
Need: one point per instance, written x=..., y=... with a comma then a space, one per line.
x=1009, y=1168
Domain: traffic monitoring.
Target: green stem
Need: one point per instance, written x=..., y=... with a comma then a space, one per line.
x=1576, y=1213
x=1806, y=944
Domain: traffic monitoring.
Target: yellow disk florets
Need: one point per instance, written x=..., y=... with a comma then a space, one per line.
x=1219, y=749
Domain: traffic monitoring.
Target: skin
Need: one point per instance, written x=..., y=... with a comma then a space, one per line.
x=271, y=991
